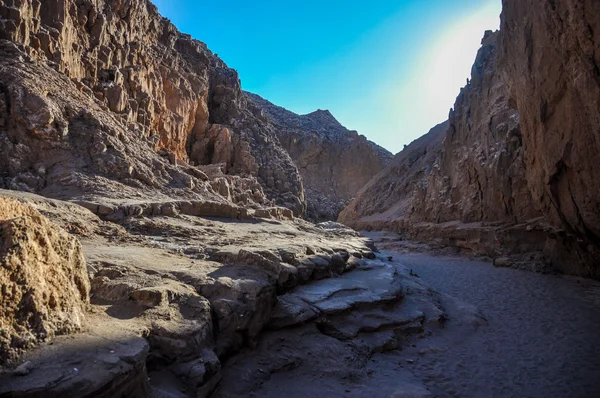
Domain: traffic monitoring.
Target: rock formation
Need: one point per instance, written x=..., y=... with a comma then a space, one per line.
x=471, y=186
x=550, y=58
x=43, y=279
x=333, y=161
x=469, y=169
x=101, y=87
x=174, y=296
x=166, y=239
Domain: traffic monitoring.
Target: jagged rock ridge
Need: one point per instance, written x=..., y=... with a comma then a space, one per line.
x=334, y=162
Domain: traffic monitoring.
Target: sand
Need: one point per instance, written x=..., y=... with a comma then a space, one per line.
x=542, y=337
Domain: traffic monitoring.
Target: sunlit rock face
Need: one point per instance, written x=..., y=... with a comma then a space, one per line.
x=43, y=277
x=333, y=161
x=130, y=71
x=550, y=57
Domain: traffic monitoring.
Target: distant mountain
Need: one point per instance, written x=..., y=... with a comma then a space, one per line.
x=334, y=162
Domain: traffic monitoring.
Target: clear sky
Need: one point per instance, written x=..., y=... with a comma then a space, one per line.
x=390, y=69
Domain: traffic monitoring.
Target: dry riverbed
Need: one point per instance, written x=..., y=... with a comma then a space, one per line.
x=508, y=333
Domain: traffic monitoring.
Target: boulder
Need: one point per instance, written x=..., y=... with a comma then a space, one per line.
x=43, y=278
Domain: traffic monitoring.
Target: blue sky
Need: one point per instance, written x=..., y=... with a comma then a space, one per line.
x=389, y=69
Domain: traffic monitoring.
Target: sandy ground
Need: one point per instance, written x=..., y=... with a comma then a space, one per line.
x=542, y=337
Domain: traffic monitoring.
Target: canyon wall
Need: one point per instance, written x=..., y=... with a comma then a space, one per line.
x=468, y=169
x=101, y=88
x=550, y=58
x=333, y=161
x=474, y=186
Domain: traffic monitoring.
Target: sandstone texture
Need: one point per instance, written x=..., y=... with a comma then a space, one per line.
x=334, y=162
x=467, y=183
x=43, y=279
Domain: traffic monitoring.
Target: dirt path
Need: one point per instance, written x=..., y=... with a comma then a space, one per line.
x=541, y=338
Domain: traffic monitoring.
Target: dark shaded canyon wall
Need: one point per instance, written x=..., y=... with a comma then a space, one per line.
x=160, y=85
x=513, y=175
x=550, y=58
x=335, y=163
x=469, y=169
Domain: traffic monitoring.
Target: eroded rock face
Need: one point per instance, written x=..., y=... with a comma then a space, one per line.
x=334, y=162
x=117, y=68
x=43, y=278
x=468, y=169
x=550, y=57
x=172, y=295
x=469, y=185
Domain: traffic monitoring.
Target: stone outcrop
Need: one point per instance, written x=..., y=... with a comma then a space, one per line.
x=470, y=186
x=172, y=296
x=103, y=88
x=334, y=162
x=43, y=279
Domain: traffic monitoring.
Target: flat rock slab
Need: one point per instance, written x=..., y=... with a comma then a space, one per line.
x=373, y=283
x=83, y=365
x=365, y=291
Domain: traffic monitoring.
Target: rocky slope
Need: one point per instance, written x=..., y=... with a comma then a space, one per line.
x=471, y=186
x=468, y=169
x=333, y=161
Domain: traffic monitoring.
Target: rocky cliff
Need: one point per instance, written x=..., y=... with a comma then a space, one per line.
x=468, y=169
x=103, y=88
x=473, y=186
x=550, y=58
x=333, y=161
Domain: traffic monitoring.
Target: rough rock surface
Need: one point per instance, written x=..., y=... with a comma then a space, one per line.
x=174, y=295
x=464, y=172
x=43, y=279
x=470, y=186
x=326, y=333
x=468, y=169
x=103, y=87
x=550, y=57
x=334, y=162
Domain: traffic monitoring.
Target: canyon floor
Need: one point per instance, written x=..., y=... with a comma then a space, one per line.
x=509, y=333
x=185, y=306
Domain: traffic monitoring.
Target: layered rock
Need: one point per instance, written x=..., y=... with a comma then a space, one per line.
x=469, y=186
x=334, y=162
x=43, y=278
x=172, y=296
x=100, y=87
